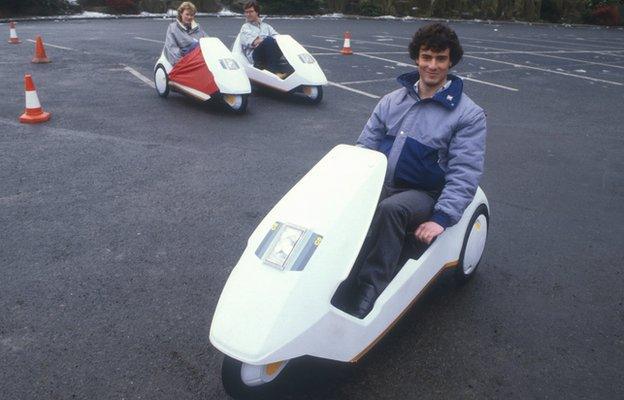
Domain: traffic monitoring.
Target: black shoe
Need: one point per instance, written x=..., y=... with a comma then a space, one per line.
x=364, y=300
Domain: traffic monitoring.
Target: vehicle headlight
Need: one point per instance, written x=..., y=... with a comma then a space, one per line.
x=229, y=63
x=306, y=58
x=288, y=247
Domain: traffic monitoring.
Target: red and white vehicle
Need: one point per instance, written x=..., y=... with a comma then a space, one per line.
x=208, y=72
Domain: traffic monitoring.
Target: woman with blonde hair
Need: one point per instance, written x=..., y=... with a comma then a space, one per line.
x=183, y=34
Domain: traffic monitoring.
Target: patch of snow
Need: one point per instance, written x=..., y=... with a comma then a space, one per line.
x=90, y=14
x=386, y=17
x=580, y=70
x=334, y=15
x=226, y=12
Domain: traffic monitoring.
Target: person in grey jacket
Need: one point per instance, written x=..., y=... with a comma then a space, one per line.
x=182, y=35
x=256, y=39
x=433, y=135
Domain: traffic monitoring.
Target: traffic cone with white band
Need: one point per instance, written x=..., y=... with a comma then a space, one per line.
x=13, y=39
x=40, y=54
x=33, y=113
x=346, y=48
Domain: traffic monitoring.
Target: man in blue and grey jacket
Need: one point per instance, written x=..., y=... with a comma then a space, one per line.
x=434, y=138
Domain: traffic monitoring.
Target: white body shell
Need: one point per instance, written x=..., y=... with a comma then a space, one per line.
x=305, y=74
x=265, y=315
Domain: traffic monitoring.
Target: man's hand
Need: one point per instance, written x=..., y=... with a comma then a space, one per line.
x=256, y=42
x=428, y=231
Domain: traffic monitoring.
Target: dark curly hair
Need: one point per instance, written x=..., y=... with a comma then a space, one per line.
x=436, y=37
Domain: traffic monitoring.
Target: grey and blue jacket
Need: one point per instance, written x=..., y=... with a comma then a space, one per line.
x=181, y=39
x=434, y=144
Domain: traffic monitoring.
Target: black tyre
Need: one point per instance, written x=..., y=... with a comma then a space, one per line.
x=161, y=81
x=314, y=94
x=236, y=103
x=474, y=244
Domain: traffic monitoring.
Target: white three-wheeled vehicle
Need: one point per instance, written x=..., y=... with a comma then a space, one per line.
x=277, y=302
x=208, y=72
x=305, y=75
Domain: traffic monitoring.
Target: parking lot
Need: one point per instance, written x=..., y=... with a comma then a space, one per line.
x=124, y=214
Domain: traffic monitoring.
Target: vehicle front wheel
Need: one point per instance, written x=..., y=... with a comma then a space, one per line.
x=161, y=81
x=243, y=381
x=235, y=102
x=314, y=94
x=474, y=244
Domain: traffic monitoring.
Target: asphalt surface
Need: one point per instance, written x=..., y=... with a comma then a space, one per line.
x=123, y=216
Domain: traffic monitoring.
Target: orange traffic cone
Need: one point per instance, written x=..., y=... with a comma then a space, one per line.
x=33, y=113
x=346, y=48
x=40, y=54
x=13, y=39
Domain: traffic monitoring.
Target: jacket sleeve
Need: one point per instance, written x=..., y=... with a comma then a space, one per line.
x=172, y=51
x=247, y=36
x=466, y=158
x=375, y=129
x=272, y=32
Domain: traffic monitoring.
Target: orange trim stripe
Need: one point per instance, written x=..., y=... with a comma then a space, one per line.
x=449, y=265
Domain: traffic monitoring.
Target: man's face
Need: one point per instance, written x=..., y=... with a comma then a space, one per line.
x=433, y=66
x=251, y=15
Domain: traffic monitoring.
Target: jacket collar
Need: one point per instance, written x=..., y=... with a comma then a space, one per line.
x=194, y=26
x=449, y=97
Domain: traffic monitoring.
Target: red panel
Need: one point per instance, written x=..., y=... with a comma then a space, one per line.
x=193, y=72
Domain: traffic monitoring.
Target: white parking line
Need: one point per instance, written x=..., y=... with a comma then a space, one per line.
x=362, y=41
x=511, y=51
x=139, y=75
x=338, y=85
x=527, y=67
x=402, y=64
x=587, y=42
x=485, y=40
x=54, y=45
x=603, y=52
x=337, y=52
x=548, y=70
x=367, y=81
x=149, y=40
x=540, y=54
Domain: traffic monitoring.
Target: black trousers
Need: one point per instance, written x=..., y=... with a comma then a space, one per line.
x=399, y=212
x=267, y=54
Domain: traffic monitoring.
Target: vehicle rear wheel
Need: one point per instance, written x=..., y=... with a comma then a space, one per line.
x=235, y=102
x=474, y=244
x=161, y=81
x=242, y=381
x=313, y=93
